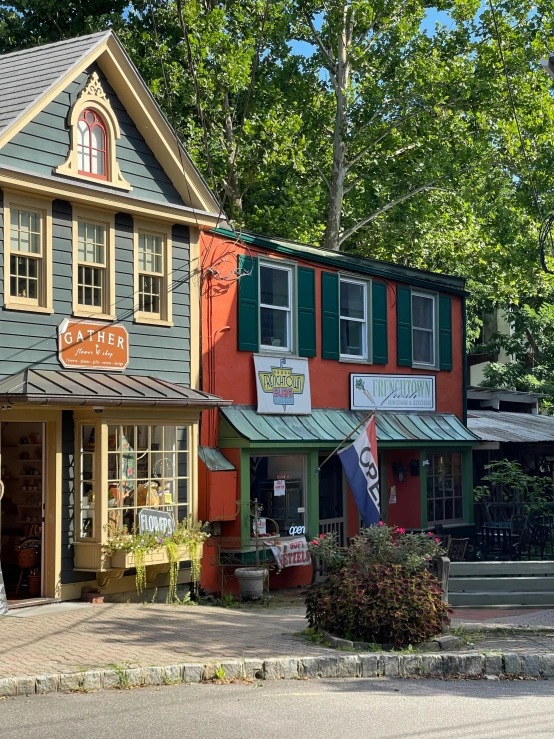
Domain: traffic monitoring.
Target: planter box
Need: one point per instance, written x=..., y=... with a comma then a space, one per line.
x=126, y=560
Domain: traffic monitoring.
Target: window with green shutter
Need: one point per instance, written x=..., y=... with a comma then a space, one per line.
x=379, y=325
x=404, y=326
x=248, y=307
x=329, y=315
x=445, y=332
x=306, y=311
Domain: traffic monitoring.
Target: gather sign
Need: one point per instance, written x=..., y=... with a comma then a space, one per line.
x=86, y=344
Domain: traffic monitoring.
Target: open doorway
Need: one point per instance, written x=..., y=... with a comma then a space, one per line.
x=331, y=499
x=22, y=509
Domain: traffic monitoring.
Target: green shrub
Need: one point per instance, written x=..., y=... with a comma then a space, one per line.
x=386, y=604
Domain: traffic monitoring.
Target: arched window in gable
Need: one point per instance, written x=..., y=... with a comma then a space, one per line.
x=92, y=146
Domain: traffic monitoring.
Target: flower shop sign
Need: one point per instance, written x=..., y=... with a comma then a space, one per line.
x=91, y=345
x=291, y=552
x=156, y=522
x=392, y=392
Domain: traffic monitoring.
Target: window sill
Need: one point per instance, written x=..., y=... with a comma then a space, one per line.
x=354, y=360
x=152, y=321
x=120, y=185
x=427, y=367
x=272, y=350
x=28, y=308
x=94, y=316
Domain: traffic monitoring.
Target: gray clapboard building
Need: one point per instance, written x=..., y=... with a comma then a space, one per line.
x=101, y=211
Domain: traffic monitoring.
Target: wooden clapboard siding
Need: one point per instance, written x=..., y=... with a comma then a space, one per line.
x=43, y=145
x=30, y=339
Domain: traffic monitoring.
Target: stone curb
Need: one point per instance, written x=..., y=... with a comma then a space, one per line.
x=445, y=643
x=444, y=665
x=480, y=626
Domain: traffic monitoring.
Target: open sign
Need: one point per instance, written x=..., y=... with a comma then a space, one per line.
x=156, y=522
x=296, y=530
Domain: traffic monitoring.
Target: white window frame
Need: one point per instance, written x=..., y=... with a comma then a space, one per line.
x=365, y=321
x=291, y=327
x=43, y=302
x=165, y=316
x=107, y=310
x=433, y=331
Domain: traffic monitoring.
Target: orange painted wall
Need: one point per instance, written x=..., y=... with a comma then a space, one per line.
x=406, y=512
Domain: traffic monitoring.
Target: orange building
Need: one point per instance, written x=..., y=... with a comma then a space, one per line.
x=306, y=343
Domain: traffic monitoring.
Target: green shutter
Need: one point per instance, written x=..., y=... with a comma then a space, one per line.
x=445, y=332
x=404, y=326
x=329, y=315
x=248, y=304
x=379, y=323
x=306, y=311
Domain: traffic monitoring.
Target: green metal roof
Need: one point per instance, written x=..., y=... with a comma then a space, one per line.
x=353, y=263
x=214, y=459
x=331, y=426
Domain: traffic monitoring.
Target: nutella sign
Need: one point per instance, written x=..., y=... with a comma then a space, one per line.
x=94, y=346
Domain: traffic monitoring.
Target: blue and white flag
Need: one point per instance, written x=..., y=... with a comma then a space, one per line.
x=359, y=461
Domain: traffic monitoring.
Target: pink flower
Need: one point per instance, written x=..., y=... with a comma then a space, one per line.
x=381, y=523
x=438, y=541
x=322, y=536
x=315, y=541
x=400, y=531
x=430, y=533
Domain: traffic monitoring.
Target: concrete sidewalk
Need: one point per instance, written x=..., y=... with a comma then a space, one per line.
x=70, y=637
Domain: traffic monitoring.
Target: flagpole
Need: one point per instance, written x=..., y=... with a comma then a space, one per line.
x=371, y=413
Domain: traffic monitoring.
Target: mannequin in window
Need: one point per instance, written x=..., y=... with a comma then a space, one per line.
x=91, y=145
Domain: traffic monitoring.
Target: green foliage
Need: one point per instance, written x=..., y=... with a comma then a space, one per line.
x=383, y=604
x=515, y=486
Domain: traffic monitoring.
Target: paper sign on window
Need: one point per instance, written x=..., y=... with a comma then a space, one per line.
x=279, y=488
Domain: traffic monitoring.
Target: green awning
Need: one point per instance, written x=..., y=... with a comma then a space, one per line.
x=330, y=426
x=214, y=459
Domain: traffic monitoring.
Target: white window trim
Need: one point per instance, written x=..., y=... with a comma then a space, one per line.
x=433, y=297
x=165, y=318
x=94, y=97
x=365, y=358
x=22, y=201
x=291, y=324
x=88, y=215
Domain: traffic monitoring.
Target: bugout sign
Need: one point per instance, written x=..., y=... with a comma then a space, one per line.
x=92, y=345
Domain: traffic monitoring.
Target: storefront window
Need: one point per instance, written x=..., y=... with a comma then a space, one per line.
x=148, y=467
x=444, y=488
x=277, y=482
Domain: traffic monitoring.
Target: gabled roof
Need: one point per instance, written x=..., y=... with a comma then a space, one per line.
x=351, y=262
x=32, y=78
x=48, y=387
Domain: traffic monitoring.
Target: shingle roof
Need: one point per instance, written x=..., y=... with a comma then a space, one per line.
x=100, y=388
x=28, y=75
x=507, y=426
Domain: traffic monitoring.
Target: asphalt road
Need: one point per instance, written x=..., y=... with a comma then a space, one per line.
x=398, y=709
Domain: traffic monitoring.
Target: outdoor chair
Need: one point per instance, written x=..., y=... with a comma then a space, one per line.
x=536, y=538
x=457, y=549
x=499, y=543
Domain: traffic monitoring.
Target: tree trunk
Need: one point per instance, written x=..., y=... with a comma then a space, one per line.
x=231, y=181
x=339, y=170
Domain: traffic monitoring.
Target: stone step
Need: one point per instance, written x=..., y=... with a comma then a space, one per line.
x=501, y=569
x=503, y=584
x=476, y=598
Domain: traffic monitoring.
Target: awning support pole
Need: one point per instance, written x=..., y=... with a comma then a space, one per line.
x=345, y=439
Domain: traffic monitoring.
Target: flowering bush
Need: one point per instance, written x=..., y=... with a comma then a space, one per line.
x=384, y=604
x=186, y=533
x=379, y=589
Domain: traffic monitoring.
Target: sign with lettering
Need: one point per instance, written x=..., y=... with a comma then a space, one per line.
x=283, y=385
x=155, y=522
x=291, y=552
x=392, y=392
x=89, y=345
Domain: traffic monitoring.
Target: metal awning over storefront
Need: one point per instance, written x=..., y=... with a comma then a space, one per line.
x=330, y=426
x=502, y=426
x=68, y=387
x=214, y=460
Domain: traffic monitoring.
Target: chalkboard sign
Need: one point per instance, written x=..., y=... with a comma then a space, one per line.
x=3, y=599
x=156, y=522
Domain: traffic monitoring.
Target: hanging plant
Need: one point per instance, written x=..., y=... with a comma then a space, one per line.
x=173, y=556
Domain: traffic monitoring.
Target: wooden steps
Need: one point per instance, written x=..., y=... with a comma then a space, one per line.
x=501, y=584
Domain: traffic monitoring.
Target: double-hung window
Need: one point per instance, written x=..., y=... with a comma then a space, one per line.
x=276, y=324
x=91, y=270
x=152, y=275
x=353, y=319
x=423, y=329
x=28, y=284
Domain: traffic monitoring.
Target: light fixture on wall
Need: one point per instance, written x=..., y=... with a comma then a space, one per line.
x=399, y=471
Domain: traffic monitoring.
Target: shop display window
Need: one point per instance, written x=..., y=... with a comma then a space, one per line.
x=147, y=466
x=277, y=482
